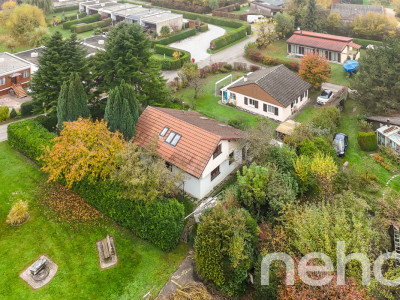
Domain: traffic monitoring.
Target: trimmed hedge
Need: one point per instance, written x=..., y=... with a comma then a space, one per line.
x=365, y=43
x=90, y=26
x=27, y=108
x=176, y=37
x=29, y=138
x=367, y=141
x=66, y=8
x=171, y=64
x=203, y=27
x=4, y=112
x=87, y=20
x=160, y=221
x=49, y=122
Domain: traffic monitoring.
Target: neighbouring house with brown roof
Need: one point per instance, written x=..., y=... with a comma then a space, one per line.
x=348, y=12
x=15, y=73
x=275, y=92
x=335, y=48
x=206, y=150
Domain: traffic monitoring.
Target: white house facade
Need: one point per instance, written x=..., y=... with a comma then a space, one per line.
x=275, y=93
x=206, y=150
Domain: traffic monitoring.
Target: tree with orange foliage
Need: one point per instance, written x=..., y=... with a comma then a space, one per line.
x=83, y=149
x=315, y=69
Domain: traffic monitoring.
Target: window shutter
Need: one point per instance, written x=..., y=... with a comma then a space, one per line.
x=276, y=111
x=256, y=104
x=265, y=107
x=245, y=100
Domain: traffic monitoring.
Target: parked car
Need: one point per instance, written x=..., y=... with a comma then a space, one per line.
x=325, y=96
x=254, y=18
x=340, y=143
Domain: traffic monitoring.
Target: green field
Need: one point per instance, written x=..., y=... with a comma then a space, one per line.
x=141, y=267
x=207, y=103
x=278, y=49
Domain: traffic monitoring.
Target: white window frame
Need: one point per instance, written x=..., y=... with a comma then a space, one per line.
x=232, y=96
x=252, y=102
x=2, y=80
x=25, y=74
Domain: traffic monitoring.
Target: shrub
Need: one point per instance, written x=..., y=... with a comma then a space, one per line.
x=165, y=31
x=203, y=27
x=18, y=213
x=159, y=221
x=4, y=111
x=87, y=20
x=27, y=108
x=176, y=37
x=13, y=113
x=307, y=148
x=364, y=43
x=254, y=68
x=167, y=64
x=49, y=122
x=327, y=118
x=225, y=247
x=29, y=137
x=367, y=141
x=88, y=27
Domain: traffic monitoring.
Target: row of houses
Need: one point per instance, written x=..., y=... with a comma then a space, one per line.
x=152, y=19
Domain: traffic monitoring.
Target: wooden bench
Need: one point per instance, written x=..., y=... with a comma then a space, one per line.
x=108, y=247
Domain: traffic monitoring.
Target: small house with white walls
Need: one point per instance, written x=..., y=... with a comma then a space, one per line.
x=206, y=150
x=275, y=92
x=389, y=136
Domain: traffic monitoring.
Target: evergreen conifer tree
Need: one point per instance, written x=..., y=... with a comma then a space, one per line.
x=310, y=22
x=72, y=101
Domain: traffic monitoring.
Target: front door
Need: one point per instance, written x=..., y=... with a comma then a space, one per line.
x=14, y=80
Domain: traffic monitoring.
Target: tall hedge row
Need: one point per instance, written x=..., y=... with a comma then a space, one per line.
x=66, y=8
x=29, y=137
x=160, y=221
x=168, y=64
x=90, y=26
x=365, y=43
x=367, y=141
x=90, y=19
x=177, y=37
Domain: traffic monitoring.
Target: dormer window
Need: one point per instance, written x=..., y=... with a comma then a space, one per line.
x=164, y=131
x=217, y=151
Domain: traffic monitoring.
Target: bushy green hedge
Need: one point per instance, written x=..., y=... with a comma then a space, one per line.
x=365, y=43
x=203, y=27
x=91, y=26
x=229, y=38
x=168, y=64
x=27, y=108
x=176, y=37
x=87, y=20
x=29, y=137
x=4, y=112
x=160, y=221
x=367, y=141
x=66, y=8
x=49, y=122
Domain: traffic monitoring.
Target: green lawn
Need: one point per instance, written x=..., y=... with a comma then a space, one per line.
x=207, y=103
x=279, y=50
x=306, y=114
x=354, y=155
x=243, y=9
x=141, y=267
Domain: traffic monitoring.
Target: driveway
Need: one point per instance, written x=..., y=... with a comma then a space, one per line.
x=197, y=45
x=333, y=87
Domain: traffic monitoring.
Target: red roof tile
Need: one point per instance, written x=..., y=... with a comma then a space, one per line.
x=321, y=40
x=200, y=136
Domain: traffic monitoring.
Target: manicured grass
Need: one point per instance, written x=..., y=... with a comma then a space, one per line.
x=306, y=114
x=243, y=9
x=207, y=104
x=354, y=155
x=278, y=49
x=141, y=267
x=160, y=56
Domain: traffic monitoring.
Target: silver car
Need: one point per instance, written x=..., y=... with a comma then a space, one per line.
x=325, y=96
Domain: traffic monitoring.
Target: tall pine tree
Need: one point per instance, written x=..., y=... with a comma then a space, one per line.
x=122, y=110
x=128, y=58
x=310, y=21
x=72, y=101
x=57, y=61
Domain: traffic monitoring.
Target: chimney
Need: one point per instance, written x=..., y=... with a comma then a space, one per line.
x=388, y=122
x=245, y=78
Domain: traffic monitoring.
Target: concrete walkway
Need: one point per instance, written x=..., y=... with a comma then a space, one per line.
x=3, y=129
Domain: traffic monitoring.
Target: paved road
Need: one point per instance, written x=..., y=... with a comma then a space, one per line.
x=3, y=129
x=229, y=55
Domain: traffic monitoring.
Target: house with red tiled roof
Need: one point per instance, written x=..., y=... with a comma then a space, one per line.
x=206, y=150
x=335, y=48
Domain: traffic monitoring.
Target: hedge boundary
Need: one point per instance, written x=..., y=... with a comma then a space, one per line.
x=90, y=19
x=364, y=43
x=160, y=221
x=66, y=8
x=367, y=141
x=90, y=26
x=176, y=37
x=169, y=51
